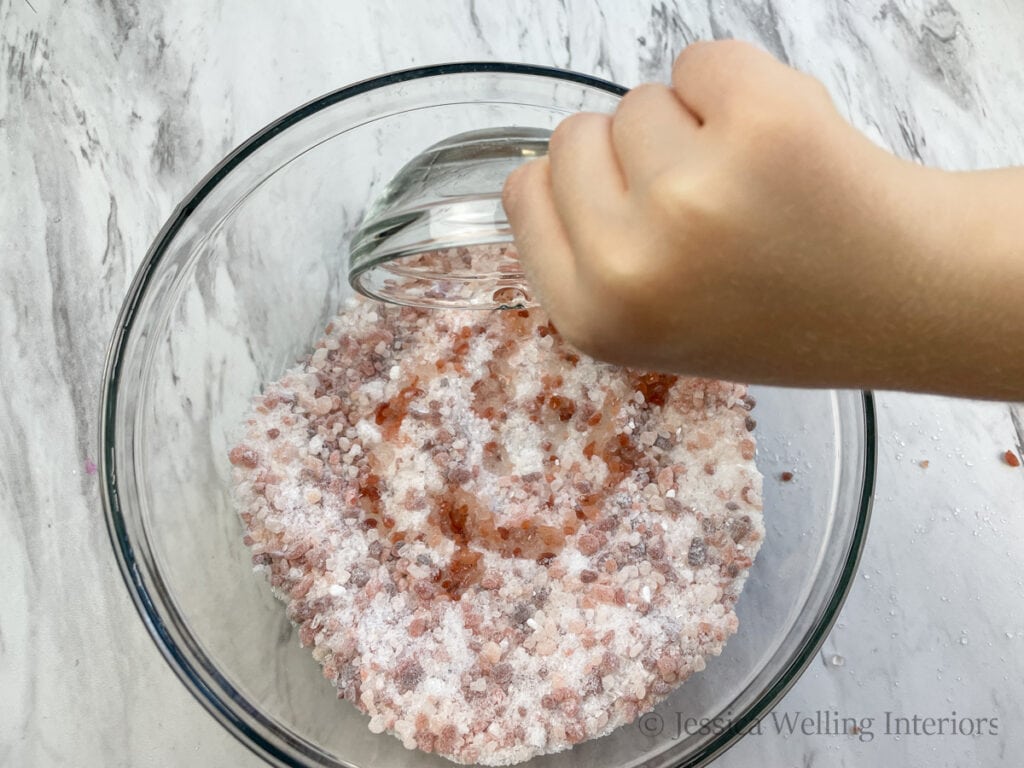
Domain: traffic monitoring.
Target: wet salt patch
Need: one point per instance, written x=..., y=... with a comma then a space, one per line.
x=450, y=643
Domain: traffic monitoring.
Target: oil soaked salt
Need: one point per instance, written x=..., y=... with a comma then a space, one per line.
x=496, y=547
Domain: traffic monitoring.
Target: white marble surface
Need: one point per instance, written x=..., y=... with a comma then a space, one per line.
x=109, y=112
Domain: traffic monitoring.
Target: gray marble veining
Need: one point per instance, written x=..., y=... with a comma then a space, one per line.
x=111, y=111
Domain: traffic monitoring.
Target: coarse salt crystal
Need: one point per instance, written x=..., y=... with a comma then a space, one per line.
x=546, y=647
x=418, y=572
x=491, y=651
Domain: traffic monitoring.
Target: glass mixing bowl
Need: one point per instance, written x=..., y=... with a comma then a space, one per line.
x=240, y=282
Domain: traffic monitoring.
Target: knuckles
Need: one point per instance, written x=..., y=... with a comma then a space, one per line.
x=728, y=61
x=573, y=128
x=639, y=96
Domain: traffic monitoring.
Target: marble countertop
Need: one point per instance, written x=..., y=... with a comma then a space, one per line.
x=111, y=111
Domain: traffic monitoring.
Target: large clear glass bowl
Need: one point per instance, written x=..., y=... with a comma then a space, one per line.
x=240, y=282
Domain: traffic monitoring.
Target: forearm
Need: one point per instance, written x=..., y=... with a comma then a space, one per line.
x=965, y=331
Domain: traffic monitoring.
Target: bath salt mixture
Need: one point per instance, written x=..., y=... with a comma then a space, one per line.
x=496, y=547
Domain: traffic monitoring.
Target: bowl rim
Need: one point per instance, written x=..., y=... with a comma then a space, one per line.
x=120, y=539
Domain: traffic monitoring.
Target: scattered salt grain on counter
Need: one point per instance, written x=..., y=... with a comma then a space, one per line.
x=497, y=548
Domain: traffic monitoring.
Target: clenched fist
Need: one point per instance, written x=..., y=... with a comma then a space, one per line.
x=735, y=225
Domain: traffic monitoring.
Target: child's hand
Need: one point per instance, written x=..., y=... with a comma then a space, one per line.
x=734, y=225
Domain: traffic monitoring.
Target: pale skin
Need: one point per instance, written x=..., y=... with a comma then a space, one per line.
x=734, y=225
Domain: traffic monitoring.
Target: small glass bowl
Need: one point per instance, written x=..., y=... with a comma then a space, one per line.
x=420, y=243
x=240, y=282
